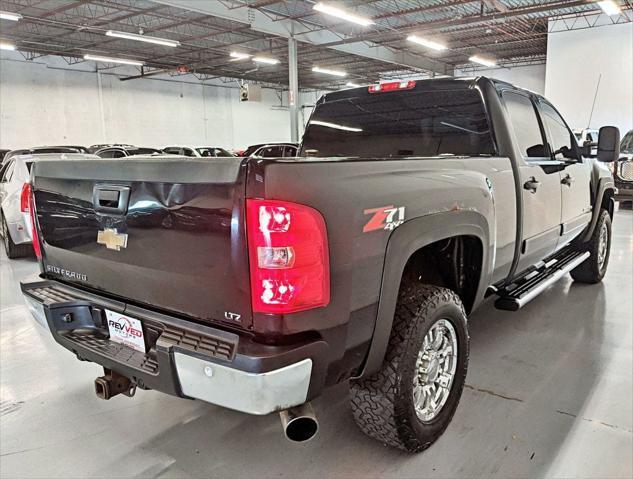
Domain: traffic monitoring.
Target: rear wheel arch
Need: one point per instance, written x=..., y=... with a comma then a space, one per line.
x=408, y=244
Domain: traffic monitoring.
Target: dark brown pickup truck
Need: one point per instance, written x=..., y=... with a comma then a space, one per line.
x=255, y=283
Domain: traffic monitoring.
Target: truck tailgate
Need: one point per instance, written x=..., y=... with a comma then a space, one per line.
x=165, y=233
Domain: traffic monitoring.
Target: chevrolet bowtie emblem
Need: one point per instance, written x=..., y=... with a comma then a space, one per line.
x=112, y=239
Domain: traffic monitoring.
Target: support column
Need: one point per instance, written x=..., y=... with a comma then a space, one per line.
x=293, y=91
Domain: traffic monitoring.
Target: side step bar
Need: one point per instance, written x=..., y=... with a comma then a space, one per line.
x=526, y=288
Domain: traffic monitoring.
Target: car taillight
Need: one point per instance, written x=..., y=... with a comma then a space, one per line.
x=392, y=86
x=34, y=234
x=24, y=197
x=289, y=259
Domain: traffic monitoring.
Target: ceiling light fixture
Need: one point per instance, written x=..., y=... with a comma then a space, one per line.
x=610, y=7
x=426, y=43
x=268, y=61
x=327, y=71
x=143, y=38
x=342, y=14
x=335, y=126
x=14, y=17
x=99, y=58
x=239, y=56
x=7, y=46
x=482, y=61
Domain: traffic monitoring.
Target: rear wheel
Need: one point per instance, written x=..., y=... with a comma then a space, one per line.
x=411, y=400
x=13, y=250
x=593, y=269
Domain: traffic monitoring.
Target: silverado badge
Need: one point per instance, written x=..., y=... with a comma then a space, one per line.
x=112, y=239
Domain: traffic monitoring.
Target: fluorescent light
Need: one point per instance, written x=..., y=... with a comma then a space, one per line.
x=143, y=38
x=426, y=43
x=342, y=14
x=10, y=16
x=334, y=126
x=269, y=61
x=239, y=56
x=482, y=61
x=610, y=7
x=6, y=46
x=351, y=84
x=98, y=58
x=327, y=71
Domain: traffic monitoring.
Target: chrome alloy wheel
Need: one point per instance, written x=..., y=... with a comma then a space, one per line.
x=435, y=370
x=603, y=245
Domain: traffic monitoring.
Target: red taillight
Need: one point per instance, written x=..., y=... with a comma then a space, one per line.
x=288, y=253
x=34, y=235
x=24, y=197
x=392, y=86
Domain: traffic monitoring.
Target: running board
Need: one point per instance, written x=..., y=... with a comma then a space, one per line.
x=526, y=288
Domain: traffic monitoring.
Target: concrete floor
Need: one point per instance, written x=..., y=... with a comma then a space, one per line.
x=549, y=394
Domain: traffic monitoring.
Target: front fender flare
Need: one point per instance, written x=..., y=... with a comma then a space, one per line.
x=604, y=184
x=403, y=243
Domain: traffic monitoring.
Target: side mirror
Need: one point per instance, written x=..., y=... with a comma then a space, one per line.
x=608, y=144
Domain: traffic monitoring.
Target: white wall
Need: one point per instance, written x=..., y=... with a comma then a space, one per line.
x=575, y=61
x=531, y=77
x=49, y=102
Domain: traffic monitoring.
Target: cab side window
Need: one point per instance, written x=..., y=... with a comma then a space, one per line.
x=188, y=152
x=525, y=124
x=560, y=137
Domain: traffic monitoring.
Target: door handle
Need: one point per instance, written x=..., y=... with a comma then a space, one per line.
x=531, y=185
x=568, y=180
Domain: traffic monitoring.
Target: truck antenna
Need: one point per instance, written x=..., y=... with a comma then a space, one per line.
x=594, y=100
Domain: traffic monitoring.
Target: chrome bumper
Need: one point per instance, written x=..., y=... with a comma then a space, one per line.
x=243, y=391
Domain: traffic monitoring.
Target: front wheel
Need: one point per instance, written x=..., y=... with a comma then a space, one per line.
x=411, y=400
x=593, y=269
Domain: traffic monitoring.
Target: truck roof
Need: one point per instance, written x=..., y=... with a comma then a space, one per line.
x=431, y=84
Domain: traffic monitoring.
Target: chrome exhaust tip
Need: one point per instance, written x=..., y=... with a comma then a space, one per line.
x=300, y=423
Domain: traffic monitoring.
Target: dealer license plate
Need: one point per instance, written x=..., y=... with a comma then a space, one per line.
x=125, y=330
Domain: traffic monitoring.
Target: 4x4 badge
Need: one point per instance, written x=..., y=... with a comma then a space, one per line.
x=112, y=239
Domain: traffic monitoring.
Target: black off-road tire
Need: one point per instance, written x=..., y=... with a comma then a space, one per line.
x=383, y=404
x=14, y=250
x=591, y=271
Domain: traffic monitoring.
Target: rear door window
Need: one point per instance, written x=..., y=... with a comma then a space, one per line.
x=290, y=151
x=400, y=124
x=271, y=152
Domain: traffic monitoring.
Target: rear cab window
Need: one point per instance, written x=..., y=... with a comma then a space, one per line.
x=400, y=124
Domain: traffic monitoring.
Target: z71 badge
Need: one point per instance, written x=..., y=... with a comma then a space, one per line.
x=384, y=218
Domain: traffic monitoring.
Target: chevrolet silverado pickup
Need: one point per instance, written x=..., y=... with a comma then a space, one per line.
x=255, y=283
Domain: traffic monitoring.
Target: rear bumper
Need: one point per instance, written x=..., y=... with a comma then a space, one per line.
x=183, y=358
